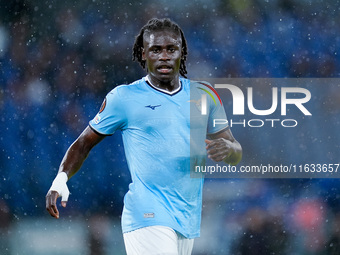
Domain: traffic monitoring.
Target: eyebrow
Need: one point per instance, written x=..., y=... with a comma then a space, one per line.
x=168, y=45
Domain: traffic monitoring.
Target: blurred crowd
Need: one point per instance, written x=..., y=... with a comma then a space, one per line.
x=59, y=60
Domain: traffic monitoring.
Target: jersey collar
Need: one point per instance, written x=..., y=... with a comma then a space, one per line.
x=171, y=93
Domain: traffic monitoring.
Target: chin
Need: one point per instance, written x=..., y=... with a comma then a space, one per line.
x=165, y=77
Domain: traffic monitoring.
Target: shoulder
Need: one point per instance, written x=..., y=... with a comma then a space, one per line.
x=126, y=90
x=203, y=84
x=200, y=86
x=188, y=83
x=204, y=87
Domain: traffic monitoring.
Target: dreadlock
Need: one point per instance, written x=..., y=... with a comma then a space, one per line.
x=157, y=25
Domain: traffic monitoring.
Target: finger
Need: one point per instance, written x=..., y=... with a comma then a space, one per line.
x=47, y=198
x=214, y=143
x=55, y=212
x=48, y=201
x=208, y=146
x=212, y=151
x=219, y=146
x=219, y=155
x=54, y=198
x=216, y=158
x=51, y=200
x=63, y=203
x=211, y=144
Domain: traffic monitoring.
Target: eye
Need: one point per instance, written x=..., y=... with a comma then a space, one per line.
x=155, y=50
x=172, y=50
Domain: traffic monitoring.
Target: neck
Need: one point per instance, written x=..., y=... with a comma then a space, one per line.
x=170, y=85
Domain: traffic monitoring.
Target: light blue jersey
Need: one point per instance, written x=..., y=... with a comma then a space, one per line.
x=156, y=128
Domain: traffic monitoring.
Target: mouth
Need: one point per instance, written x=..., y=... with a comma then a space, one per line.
x=164, y=69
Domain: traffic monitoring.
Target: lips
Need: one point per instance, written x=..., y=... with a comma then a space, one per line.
x=164, y=68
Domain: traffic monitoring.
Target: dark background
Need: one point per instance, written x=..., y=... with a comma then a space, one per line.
x=58, y=60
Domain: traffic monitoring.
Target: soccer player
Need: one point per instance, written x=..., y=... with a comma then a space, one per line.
x=164, y=133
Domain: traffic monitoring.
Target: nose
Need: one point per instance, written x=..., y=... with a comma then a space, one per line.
x=164, y=55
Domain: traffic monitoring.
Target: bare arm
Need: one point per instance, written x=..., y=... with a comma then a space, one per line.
x=78, y=151
x=71, y=163
x=223, y=146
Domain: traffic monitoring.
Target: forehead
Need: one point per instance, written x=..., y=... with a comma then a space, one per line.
x=162, y=37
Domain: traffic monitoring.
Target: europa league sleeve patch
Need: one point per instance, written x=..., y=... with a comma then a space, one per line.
x=102, y=107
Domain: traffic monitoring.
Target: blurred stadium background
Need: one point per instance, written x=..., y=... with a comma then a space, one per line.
x=58, y=59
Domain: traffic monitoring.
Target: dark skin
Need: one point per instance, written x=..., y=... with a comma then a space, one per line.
x=71, y=163
x=162, y=53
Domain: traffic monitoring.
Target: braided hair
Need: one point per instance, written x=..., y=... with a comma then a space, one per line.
x=157, y=25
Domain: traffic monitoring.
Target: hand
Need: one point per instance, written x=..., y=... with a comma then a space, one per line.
x=219, y=149
x=58, y=188
x=51, y=203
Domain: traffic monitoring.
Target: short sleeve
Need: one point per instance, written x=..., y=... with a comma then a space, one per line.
x=217, y=117
x=111, y=116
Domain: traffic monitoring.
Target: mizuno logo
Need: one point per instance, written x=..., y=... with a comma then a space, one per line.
x=152, y=106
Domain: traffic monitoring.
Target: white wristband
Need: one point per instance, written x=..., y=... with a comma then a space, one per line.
x=59, y=185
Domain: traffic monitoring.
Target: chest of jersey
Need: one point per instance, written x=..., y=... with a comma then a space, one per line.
x=158, y=112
